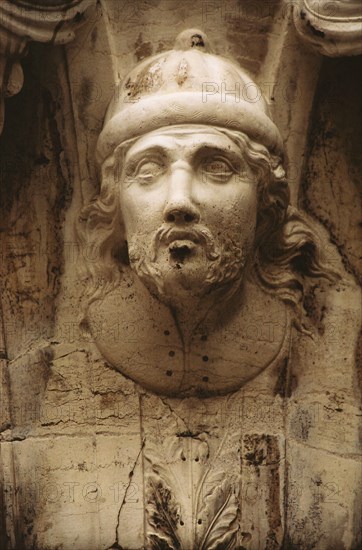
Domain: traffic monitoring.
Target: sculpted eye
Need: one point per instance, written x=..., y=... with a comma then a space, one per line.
x=147, y=171
x=217, y=169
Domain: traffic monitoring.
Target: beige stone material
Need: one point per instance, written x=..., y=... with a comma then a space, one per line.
x=180, y=284
x=333, y=28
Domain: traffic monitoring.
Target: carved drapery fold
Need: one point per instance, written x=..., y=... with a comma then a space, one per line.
x=332, y=28
x=22, y=21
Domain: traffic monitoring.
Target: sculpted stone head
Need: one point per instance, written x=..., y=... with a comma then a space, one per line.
x=188, y=204
x=194, y=197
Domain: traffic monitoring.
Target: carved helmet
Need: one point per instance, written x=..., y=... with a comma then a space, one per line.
x=187, y=85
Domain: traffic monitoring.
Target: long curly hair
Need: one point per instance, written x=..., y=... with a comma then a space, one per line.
x=287, y=253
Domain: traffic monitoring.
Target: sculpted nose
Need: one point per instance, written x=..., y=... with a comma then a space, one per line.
x=182, y=214
x=180, y=208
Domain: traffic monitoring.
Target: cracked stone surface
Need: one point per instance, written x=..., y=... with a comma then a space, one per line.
x=92, y=459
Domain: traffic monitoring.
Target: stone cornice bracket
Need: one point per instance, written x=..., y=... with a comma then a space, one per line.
x=22, y=21
x=334, y=28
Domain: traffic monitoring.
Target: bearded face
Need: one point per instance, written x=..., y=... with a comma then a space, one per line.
x=188, y=202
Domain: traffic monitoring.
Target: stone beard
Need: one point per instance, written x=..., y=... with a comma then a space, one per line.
x=192, y=261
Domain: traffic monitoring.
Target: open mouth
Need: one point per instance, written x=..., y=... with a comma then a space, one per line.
x=181, y=249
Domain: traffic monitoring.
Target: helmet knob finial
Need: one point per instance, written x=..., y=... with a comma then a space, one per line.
x=192, y=39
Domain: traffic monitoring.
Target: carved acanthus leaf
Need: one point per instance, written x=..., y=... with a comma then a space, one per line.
x=163, y=516
x=192, y=502
x=223, y=508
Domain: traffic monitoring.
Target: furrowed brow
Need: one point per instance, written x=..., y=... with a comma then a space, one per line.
x=205, y=150
x=146, y=151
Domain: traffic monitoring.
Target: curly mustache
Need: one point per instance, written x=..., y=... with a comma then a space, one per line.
x=198, y=234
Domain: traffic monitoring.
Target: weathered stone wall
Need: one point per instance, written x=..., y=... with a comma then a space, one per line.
x=76, y=435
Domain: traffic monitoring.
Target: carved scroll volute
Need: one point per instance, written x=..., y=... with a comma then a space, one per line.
x=22, y=21
x=332, y=28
